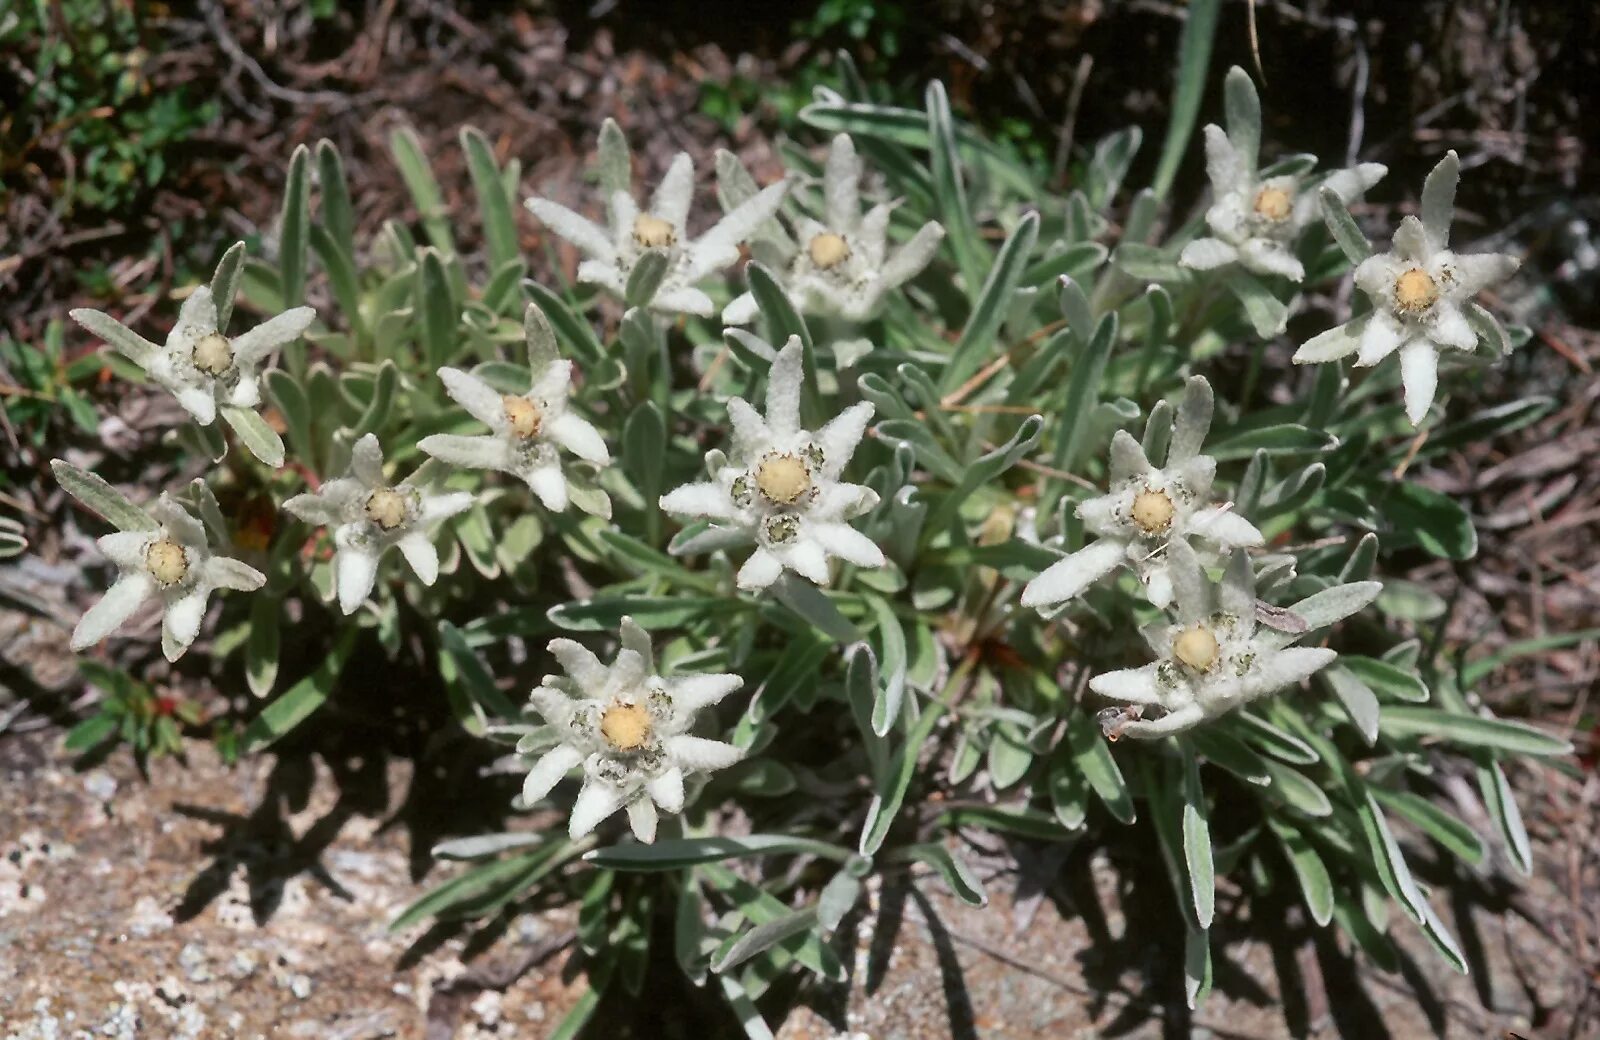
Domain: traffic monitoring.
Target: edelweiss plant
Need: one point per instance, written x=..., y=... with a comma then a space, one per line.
x=614, y=253
x=369, y=515
x=903, y=700
x=204, y=369
x=842, y=266
x=1212, y=658
x=163, y=554
x=1149, y=510
x=528, y=428
x=781, y=489
x=1422, y=297
x=1258, y=218
x=628, y=728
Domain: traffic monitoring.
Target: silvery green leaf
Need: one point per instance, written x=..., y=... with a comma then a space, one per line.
x=292, y=234
x=338, y=216
x=1309, y=870
x=963, y=883
x=1076, y=309
x=762, y=937
x=541, y=340
x=1188, y=88
x=1268, y=315
x=494, y=203
x=837, y=898
x=814, y=606
x=977, y=340
x=1109, y=163
x=588, y=496
x=1439, y=200
x=436, y=310
x=376, y=413
x=101, y=498
x=645, y=278
x=615, y=161
x=127, y=342
x=253, y=432
x=225, y=283
x=950, y=192
x=1343, y=226
x=1197, y=843
x=1359, y=702
x=1502, y=805
x=1242, y=106
x=1157, y=431
x=1149, y=264
x=892, y=688
x=412, y=161
x=261, y=646
x=1488, y=328
x=504, y=286
x=1196, y=959
x=483, y=846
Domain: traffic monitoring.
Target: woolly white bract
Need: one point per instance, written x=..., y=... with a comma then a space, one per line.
x=1148, y=510
x=200, y=366
x=615, y=250
x=628, y=728
x=842, y=265
x=172, y=561
x=1422, y=297
x=781, y=487
x=368, y=515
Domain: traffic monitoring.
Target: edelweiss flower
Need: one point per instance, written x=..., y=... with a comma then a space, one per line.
x=199, y=365
x=628, y=728
x=173, y=560
x=371, y=515
x=1421, y=297
x=1257, y=220
x=782, y=485
x=527, y=431
x=1211, y=661
x=842, y=267
x=1148, y=511
x=612, y=253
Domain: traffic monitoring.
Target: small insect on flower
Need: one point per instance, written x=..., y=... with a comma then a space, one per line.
x=1422, y=298
x=1212, y=658
x=368, y=515
x=782, y=489
x=1146, y=510
x=613, y=252
x=842, y=266
x=627, y=727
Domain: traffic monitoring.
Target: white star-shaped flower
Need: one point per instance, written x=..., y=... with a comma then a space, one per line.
x=1211, y=660
x=1256, y=220
x=1147, y=511
x=172, y=560
x=613, y=251
x=1421, y=295
x=629, y=729
x=842, y=267
x=368, y=515
x=782, y=487
x=200, y=366
x=528, y=429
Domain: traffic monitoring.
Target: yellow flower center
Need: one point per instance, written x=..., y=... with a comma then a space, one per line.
x=828, y=250
x=1196, y=647
x=523, y=415
x=626, y=727
x=213, y=355
x=783, y=478
x=652, y=232
x=1415, y=290
x=1273, y=203
x=1153, y=510
x=166, y=561
x=386, y=507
